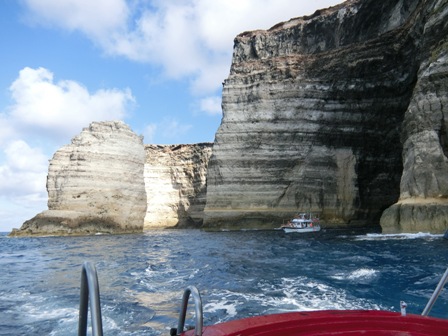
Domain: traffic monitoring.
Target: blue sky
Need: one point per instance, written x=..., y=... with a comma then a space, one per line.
x=157, y=65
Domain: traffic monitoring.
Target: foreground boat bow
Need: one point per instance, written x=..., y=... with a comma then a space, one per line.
x=330, y=322
x=319, y=323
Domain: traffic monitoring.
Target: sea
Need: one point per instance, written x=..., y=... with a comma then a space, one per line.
x=238, y=273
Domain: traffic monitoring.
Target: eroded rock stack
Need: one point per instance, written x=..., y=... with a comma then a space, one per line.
x=316, y=116
x=175, y=180
x=95, y=185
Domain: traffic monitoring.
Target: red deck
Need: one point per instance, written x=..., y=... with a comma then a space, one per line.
x=331, y=322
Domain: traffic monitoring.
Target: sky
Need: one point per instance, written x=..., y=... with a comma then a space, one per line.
x=157, y=65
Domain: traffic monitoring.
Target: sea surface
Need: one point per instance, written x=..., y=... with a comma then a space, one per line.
x=239, y=274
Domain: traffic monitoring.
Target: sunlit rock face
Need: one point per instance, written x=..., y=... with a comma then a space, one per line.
x=315, y=115
x=95, y=185
x=175, y=180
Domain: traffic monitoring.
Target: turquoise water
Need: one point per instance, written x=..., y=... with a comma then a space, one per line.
x=239, y=274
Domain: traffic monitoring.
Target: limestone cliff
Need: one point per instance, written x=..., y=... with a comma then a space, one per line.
x=95, y=185
x=343, y=112
x=175, y=180
x=321, y=113
x=423, y=203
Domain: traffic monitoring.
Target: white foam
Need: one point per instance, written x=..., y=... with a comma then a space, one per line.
x=397, y=236
x=303, y=295
x=213, y=307
x=36, y=312
x=290, y=294
x=360, y=275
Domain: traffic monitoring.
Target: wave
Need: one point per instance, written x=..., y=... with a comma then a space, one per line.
x=241, y=274
x=398, y=236
x=287, y=295
x=361, y=274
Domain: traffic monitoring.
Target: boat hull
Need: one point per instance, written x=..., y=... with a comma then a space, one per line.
x=331, y=322
x=314, y=228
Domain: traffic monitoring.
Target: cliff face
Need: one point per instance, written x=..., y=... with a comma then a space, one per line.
x=175, y=180
x=343, y=113
x=94, y=185
x=320, y=113
x=423, y=203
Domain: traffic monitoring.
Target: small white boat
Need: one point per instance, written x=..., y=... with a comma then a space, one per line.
x=302, y=223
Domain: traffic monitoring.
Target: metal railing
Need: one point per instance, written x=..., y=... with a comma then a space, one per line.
x=89, y=289
x=436, y=293
x=197, y=308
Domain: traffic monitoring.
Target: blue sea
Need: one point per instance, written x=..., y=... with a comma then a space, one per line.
x=239, y=274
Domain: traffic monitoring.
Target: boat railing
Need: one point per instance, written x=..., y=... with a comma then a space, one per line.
x=89, y=290
x=436, y=293
x=198, y=312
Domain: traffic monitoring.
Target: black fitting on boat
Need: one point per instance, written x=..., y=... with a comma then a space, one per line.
x=90, y=291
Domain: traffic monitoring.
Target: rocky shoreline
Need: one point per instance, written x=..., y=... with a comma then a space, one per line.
x=341, y=112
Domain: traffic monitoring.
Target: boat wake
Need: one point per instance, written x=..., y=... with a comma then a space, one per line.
x=287, y=295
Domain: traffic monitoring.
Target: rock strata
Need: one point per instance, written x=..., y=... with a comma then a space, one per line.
x=95, y=185
x=423, y=203
x=175, y=180
x=321, y=113
x=343, y=112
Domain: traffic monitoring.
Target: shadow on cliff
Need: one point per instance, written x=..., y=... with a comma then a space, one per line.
x=371, y=83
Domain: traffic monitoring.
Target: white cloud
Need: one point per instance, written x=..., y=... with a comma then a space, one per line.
x=95, y=18
x=23, y=175
x=6, y=129
x=191, y=38
x=211, y=105
x=61, y=108
x=23, y=171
